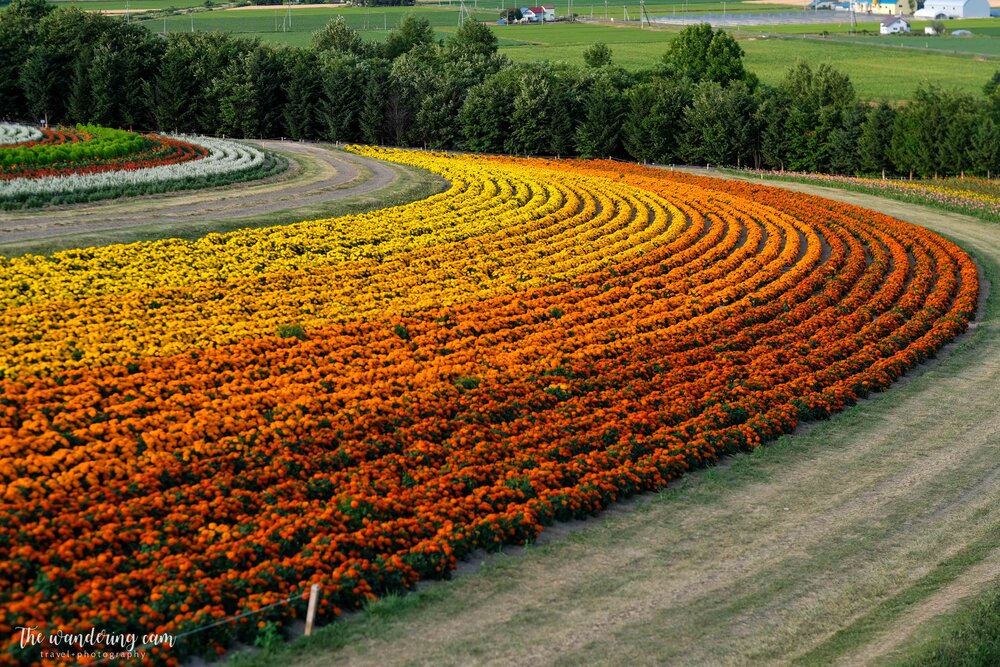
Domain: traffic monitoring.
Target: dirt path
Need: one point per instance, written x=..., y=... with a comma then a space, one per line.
x=755, y=564
x=318, y=175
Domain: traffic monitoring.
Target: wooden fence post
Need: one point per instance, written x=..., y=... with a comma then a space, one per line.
x=311, y=611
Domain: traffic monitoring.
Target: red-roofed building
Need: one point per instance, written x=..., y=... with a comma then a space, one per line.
x=535, y=14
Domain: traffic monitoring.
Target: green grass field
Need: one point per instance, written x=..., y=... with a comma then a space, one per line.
x=985, y=27
x=984, y=46
x=882, y=68
x=875, y=75
x=134, y=5
x=865, y=60
x=295, y=28
x=985, y=38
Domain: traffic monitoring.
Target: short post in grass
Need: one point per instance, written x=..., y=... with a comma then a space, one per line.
x=311, y=611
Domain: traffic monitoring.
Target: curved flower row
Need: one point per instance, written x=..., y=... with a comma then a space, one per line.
x=100, y=144
x=159, y=151
x=977, y=196
x=360, y=402
x=11, y=133
x=223, y=159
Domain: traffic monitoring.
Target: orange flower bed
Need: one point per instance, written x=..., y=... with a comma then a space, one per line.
x=360, y=402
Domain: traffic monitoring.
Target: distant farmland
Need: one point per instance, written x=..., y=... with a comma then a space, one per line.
x=961, y=63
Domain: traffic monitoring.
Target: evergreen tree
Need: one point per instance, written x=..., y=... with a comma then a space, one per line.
x=173, y=99
x=772, y=111
x=343, y=89
x=18, y=31
x=104, y=85
x=562, y=126
x=65, y=35
x=238, y=100
x=984, y=148
x=875, y=142
x=40, y=87
x=301, y=111
x=910, y=155
x=529, y=133
x=844, y=140
x=372, y=114
x=956, y=146
x=599, y=135
x=79, y=107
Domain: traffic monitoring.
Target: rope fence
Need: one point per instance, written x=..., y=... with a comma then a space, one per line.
x=313, y=604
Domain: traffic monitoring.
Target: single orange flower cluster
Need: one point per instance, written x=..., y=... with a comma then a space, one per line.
x=360, y=402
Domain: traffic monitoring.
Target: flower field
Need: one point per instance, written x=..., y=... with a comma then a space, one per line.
x=18, y=134
x=971, y=195
x=191, y=430
x=89, y=163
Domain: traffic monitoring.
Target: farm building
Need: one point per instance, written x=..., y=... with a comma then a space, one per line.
x=954, y=9
x=892, y=25
x=891, y=7
x=535, y=14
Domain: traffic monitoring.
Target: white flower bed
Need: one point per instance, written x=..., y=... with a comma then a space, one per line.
x=16, y=134
x=224, y=158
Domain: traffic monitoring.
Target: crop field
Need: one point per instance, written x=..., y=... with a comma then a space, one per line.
x=976, y=45
x=988, y=27
x=865, y=60
x=133, y=5
x=362, y=401
x=874, y=75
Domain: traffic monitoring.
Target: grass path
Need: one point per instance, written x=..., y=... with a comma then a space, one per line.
x=834, y=544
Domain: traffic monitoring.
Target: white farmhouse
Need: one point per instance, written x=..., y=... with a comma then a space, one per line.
x=954, y=9
x=892, y=25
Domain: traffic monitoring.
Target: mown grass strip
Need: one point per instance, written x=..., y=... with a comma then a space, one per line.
x=866, y=627
x=968, y=638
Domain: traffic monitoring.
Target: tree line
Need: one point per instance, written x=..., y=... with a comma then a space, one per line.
x=697, y=105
